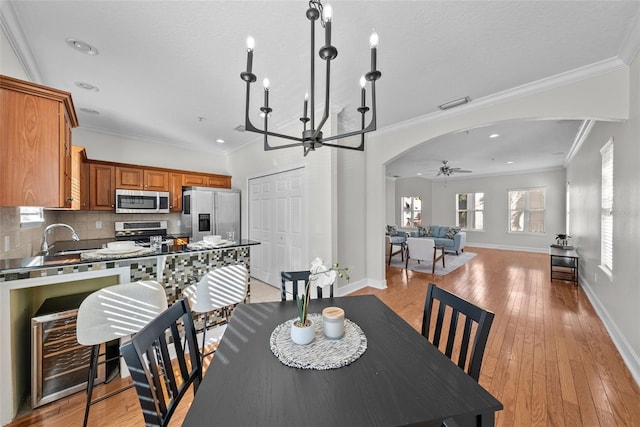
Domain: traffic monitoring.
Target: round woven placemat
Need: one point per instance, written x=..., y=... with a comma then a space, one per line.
x=322, y=353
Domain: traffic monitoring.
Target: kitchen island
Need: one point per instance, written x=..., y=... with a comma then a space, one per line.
x=26, y=282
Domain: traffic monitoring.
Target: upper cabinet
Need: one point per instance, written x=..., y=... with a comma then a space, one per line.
x=133, y=178
x=102, y=190
x=35, y=144
x=79, y=179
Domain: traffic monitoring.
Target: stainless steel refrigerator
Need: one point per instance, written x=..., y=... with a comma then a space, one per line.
x=207, y=211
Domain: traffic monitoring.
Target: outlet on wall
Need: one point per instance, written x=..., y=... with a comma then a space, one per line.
x=98, y=224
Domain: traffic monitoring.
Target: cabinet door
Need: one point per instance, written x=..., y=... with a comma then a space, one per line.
x=65, y=159
x=102, y=187
x=156, y=180
x=175, y=192
x=195, y=180
x=79, y=179
x=220, y=181
x=29, y=150
x=129, y=178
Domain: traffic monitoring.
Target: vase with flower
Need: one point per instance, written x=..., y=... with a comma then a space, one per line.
x=302, y=329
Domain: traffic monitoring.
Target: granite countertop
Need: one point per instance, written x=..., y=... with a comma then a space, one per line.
x=91, y=246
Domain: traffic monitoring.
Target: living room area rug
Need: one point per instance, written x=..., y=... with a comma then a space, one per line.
x=451, y=260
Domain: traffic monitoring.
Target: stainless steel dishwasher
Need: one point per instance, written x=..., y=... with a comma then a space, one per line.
x=59, y=365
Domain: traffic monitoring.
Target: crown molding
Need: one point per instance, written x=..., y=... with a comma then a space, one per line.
x=13, y=29
x=581, y=136
x=631, y=45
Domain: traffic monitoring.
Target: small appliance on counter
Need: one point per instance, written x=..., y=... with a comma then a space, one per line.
x=210, y=211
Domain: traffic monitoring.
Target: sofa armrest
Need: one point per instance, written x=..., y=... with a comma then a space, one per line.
x=459, y=240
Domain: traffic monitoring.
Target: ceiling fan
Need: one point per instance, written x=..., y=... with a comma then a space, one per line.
x=447, y=170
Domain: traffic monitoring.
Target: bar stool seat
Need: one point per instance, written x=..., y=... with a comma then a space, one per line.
x=112, y=313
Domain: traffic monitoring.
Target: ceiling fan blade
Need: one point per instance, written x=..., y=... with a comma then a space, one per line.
x=461, y=171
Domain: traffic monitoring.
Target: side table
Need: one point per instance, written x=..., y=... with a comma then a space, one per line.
x=564, y=264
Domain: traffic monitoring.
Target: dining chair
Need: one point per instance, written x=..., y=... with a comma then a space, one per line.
x=399, y=239
x=298, y=280
x=218, y=289
x=421, y=249
x=468, y=346
x=112, y=313
x=160, y=383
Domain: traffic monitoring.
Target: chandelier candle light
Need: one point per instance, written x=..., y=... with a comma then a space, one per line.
x=312, y=137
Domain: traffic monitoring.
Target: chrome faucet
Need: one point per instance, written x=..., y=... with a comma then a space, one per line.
x=45, y=245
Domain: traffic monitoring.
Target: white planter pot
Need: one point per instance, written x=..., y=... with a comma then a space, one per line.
x=302, y=335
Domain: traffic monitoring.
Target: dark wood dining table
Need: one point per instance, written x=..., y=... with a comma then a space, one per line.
x=401, y=379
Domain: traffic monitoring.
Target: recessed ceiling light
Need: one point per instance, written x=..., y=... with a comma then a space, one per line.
x=89, y=111
x=509, y=162
x=494, y=135
x=87, y=86
x=220, y=141
x=419, y=173
x=81, y=46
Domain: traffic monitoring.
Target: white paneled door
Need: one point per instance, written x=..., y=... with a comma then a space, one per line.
x=276, y=211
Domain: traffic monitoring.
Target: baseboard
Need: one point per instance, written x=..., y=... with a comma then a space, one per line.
x=360, y=284
x=508, y=247
x=630, y=357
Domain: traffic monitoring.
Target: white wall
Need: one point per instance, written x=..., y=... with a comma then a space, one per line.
x=390, y=197
x=114, y=148
x=496, y=218
x=616, y=298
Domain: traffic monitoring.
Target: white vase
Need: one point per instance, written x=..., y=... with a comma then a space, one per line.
x=302, y=334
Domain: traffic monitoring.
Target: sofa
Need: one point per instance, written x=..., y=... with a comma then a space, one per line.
x=450, y=237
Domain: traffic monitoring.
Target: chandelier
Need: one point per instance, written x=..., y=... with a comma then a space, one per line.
x=312, y=136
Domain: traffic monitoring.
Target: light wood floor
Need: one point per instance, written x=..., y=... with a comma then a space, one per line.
x=549, y=359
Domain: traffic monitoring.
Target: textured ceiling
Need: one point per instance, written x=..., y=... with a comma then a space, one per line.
x=168, y=71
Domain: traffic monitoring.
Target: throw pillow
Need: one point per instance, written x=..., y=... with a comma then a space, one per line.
x=451, y=233
x=423, y=232
x=392, y=230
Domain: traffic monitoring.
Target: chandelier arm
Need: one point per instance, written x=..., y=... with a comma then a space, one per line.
x=327, y=95
x=312, y=77
x=358, y=148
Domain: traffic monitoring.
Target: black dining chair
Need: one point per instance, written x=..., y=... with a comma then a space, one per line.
x=297, y=278
x=159, y=383
x=468, y=347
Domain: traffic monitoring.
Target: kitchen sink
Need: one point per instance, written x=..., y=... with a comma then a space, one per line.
x=74, y=251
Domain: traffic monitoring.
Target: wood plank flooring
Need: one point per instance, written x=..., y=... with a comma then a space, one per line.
x=549, y=359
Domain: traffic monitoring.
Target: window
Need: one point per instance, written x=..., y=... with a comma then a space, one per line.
x=31, y=216
x=526, y=211
x=470, y=211
x=606, y=216
x=411, y=211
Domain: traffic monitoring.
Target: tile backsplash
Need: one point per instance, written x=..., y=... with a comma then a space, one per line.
x=18, y=242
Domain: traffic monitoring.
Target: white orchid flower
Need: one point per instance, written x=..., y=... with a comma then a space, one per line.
x=320, y=274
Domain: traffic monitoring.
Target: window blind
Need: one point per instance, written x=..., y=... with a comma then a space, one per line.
x=606, y=227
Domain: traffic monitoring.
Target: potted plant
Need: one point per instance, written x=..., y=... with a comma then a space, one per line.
x=562, y=239
x=302, y=329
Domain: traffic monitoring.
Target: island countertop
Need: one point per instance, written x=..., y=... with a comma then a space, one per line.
x=37, y=262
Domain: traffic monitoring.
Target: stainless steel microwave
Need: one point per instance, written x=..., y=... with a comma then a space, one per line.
x=140, y=201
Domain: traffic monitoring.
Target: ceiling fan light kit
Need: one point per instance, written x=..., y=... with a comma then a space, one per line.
x=312, y=136
x=447, y=170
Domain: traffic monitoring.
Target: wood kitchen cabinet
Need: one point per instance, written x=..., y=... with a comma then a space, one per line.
x=102, y=182
x=80, y=179
x=35, y=153
x=175, y=192
x=206, y=180
x=141, y=179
